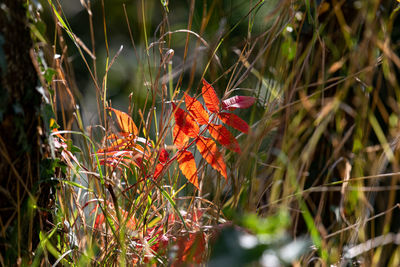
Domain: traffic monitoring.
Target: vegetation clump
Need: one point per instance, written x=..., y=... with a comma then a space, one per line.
x=212, y=133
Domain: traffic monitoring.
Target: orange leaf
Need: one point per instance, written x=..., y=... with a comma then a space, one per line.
x=125, y=122
x=118, y=144
x=180, y=138
x=99, y=219
x=234, y=121
x=196, y=109
x=210, y=97
x=185, y=122
x=208, y=149
x=224, y=137
x=188, y=167
x=130, y=222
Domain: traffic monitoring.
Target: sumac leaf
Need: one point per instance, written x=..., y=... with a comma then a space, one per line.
x=196, y=109
x=100, y=219
x=224, y=137
x=238, y=102
x=125, y=122
x=180, y=138
x=209, y=151
x=164, y=156
x=210, y=97
x=234, y=121
x=158, y=170
x=187, y=165
x=185, y=122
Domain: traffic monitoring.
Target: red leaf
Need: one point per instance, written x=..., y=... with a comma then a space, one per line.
x=125, y=122
x=224, y=137
x=196, y=109
x=238, y=102
x=158, y=170
x=210, y=97
x=234, y=121
x=180, y=138
x=208, y=149
x=185, y=122
x=100, y=219
x=164, y=156
x=187, y=165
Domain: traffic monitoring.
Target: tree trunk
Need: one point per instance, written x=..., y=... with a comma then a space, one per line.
x=21, y=144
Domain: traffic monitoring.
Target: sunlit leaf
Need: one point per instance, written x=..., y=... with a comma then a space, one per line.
x=234, y=121
x=210, y=97
x=187, y=165
x=209, y=151
x=185, y=122
x=125, y=122
x=180, y=138
x=196, y=109
x=224, y=137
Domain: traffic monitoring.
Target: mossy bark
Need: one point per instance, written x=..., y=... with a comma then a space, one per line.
x=21, y=138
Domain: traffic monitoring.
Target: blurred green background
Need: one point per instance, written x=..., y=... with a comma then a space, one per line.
x=127, y=75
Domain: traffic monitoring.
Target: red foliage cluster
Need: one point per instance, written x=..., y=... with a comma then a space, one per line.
x=129, y=149
x=187, y=125
x=191, y=246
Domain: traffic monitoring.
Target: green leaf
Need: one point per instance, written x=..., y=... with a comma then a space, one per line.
x=49, y=74
x=75, y=184
x=272, y=225
x=71, y=148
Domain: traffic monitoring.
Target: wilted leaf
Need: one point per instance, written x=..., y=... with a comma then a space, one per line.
x=127, y=144
x=118, y=144
x=185, y=122
x=125, y=122
x=238, y=102
x=234, y=121
x=210, y=97
x=224, y=137
x=208, y=149
x=124, y=157
x=196, y=109
x=187, y=165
